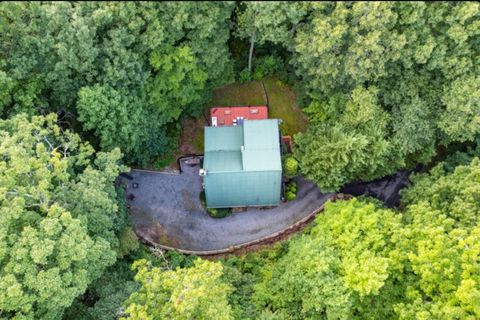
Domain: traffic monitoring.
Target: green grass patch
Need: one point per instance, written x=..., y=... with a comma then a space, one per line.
x=247, y=94
x=283, y=106
x=161, y=162
x=198, y=142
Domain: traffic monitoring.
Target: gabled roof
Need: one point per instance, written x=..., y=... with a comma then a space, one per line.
x=262, y=145
x=260, y=152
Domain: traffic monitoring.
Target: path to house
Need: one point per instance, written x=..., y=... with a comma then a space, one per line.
x=166, y=210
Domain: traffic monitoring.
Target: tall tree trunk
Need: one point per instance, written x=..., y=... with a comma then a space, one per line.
x=250, y=54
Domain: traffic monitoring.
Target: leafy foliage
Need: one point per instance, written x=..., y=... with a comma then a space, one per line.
x=385, y=85
x=441, y=274
x=290, y=166
x=418, y=58
x=269, y=21
x=456, y=194
x=291, y=191
x=164, y=294
x=127, y=70
x=361, y=261
x=104, y=298
x=59, y=216
x=344, y=259
x=351, y=145
x=461, y=120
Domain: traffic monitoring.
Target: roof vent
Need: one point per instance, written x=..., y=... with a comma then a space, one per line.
x=242, y=148
x=202, y=172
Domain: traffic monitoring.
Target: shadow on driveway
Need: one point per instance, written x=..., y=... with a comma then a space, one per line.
x=166, y=210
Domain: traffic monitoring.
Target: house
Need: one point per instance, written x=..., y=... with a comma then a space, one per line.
x=242, y=164
x=228, y=116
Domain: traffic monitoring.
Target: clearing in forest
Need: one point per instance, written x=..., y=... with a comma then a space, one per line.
x=282, y=105
x=281, y=98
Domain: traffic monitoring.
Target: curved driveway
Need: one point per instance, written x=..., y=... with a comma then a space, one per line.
x=166, y=210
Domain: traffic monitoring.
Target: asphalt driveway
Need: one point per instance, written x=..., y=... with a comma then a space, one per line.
x=166, y=210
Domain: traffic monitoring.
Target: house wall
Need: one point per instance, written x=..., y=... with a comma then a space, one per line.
x=242, y=189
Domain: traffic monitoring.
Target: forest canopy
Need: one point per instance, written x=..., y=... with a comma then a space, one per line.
x=89, y=87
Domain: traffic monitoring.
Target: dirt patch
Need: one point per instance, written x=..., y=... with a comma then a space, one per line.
x=155, y=233
x=191, y=137
x=191, y=140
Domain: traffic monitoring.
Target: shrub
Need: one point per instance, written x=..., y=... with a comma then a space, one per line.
x=245, y=76
x=290, y=196
x=219, y=213
x=291, y=191
x=290, y=165
x=266, y=66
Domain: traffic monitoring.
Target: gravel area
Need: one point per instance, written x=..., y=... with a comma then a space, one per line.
x=166, y=210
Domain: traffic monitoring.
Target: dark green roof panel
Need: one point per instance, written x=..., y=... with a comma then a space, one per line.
x=223, y=161
x=243, y=164
x=240, y=189
x=223, y=138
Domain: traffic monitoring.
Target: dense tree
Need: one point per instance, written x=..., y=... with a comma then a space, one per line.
x=342, y=146
x=461, y=119
x=456, y=194
x=273, y=21
x=420, y=57
x=59, y=216
x=385, y=85
x=104, y=298
x=146, y=64
x=441, y=274
x=328, y=273
x=197, y=292
x=439, y=245
x=364, y=262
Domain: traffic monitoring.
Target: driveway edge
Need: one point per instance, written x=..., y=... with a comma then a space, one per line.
x=295, y=227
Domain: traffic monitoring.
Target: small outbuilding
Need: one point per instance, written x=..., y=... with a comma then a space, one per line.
x=229, y=116
x=242, y=164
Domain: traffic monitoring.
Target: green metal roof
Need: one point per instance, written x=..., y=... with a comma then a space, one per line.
x=223, y=138
x=240, y=189
x=261, y=147
x=261, y=134
x=223, y=161
x=243, y=164
x=261, y=160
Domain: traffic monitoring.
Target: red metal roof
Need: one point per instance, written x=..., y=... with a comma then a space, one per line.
x=225, y=115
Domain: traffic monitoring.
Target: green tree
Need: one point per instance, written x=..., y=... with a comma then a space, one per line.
x=348, y=145
x=273, y=21
x=438, y=246
x=63, y=57
x=440, y=273
x=179, y=82
x=104, y=298
x=461, y=119
x=419, y=57
x=455, y=194
x=328, y=274
x=58, y=216
x=197, y=292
